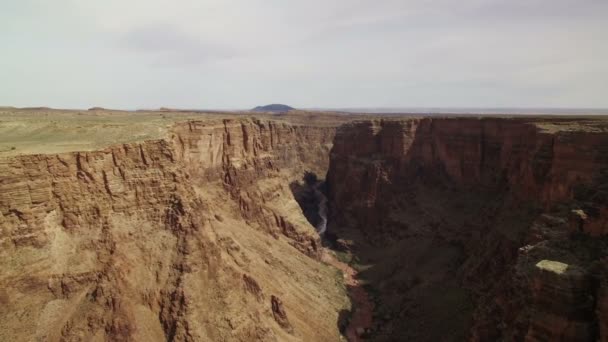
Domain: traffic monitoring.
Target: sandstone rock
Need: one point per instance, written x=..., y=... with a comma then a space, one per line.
x=279, y=314
x=252, y=286
x=563, y=305
x=577, y=220
x=394, y=183
x=126, y=247
x=468, y=152
x=593, y=225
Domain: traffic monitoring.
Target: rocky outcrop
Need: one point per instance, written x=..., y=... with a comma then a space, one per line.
x=151, y=241
x=563, y=303
x=280, y=316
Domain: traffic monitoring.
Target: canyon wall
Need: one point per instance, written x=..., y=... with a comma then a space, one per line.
x=464, y=211
x=192, y=237
x=255, y=160
x=513, y=155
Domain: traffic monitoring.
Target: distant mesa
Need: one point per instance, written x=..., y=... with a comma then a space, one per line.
x=97, y=108
x=37, y=108
x=168, y=109
x=273, y=108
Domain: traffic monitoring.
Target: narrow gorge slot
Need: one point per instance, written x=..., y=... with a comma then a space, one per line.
x=355, y=323
x=321, y=200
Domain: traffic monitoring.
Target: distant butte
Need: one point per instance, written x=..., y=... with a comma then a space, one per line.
x=274, y=108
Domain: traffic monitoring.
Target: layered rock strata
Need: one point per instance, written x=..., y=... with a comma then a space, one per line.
x=461, y=210
x=189, y=238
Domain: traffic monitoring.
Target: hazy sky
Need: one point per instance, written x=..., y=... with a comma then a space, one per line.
x=313, y=53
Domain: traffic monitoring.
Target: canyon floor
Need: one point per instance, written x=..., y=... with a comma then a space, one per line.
x=202, y=226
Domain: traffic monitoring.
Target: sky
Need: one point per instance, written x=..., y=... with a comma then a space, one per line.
x=237, y=54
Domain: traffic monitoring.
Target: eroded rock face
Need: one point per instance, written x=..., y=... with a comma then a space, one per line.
x=167, y=239
x=280, y=316
x=563, y=303
x=242, y=152
x=446, y=210
x=508, y=155
x=602, y=302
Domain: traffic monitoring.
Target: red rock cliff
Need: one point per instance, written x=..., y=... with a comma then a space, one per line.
x=164, y=240
x=480, y=203
x=514, y=155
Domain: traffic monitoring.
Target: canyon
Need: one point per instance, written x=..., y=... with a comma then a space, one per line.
x=477, y=229
x=305, y=226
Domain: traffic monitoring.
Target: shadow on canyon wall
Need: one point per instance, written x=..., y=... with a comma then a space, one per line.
x=428, y=240
x=436, y=236
x=304, y=193
x=433, y=215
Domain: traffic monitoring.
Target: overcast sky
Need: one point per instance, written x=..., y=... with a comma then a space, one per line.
x=313, y=53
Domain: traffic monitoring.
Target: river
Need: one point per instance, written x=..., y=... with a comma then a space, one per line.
x=362, y=306
x=322, y=211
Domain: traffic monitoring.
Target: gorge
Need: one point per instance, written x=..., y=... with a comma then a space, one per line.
x=417, y=228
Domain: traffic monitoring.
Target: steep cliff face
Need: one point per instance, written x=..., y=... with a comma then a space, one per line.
x=186, y=238
x=563, y=300
x=472, y=153
x=602, y=303
x=444, y=209
x=254, y=160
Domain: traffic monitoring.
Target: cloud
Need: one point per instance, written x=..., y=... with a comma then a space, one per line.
x=174, y=46
x=339, y=53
